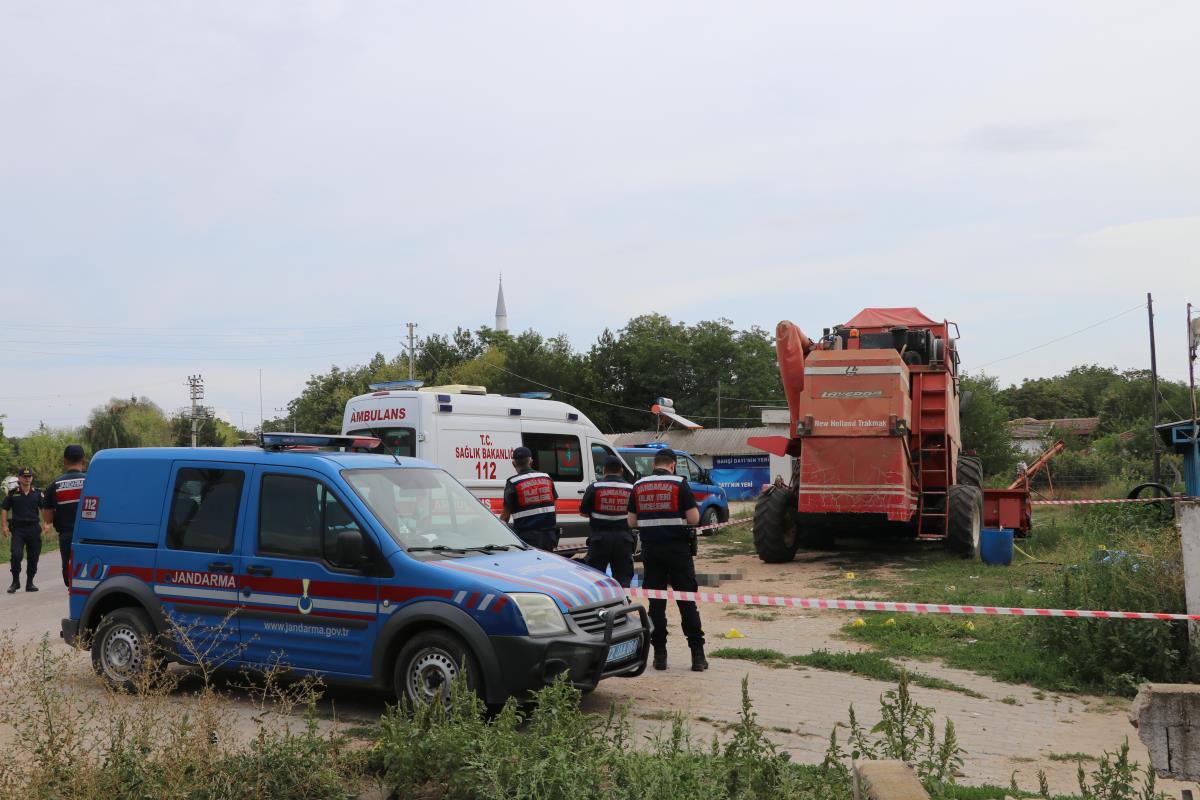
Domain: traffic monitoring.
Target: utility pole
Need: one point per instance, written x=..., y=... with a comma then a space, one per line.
x=412, y=373
x=282, y=411
x=196, y=390
x=718, y=404
x=1153, y=388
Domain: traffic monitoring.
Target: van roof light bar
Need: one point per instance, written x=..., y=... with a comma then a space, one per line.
x=278, y=441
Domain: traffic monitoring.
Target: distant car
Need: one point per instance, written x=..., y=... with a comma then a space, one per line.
x=714, y=505
x=358, y=566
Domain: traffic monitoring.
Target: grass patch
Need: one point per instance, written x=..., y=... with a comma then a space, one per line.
x=867, y=664
x=736, y=540
x=1072, y=757
x=1110, y=557
x=1010, y=701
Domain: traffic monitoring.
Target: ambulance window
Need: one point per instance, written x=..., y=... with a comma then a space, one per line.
x=395, y=441
x=204, y=509
x=599, y=454
x=557, y=455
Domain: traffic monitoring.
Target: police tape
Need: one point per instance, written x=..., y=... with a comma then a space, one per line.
x=579, y=548
x=1172, y=499
x=895, y=607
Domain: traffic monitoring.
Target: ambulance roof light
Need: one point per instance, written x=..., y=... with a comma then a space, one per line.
x=534, y=395
x=387, y=385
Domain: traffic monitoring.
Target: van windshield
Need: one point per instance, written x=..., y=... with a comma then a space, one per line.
x=427, y=510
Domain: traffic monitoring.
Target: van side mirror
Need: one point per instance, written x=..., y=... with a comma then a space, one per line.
x=349, y=550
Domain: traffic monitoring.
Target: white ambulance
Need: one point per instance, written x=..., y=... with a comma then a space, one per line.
x=472, y=435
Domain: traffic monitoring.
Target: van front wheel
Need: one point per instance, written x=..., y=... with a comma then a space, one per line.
x=428, y=665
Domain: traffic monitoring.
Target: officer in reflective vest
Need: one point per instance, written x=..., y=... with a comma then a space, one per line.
x=605, y=503
x=529, y=503
x=662, y=507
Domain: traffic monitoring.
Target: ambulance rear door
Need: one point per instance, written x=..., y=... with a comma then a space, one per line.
x=559, y=451
x=477, y=450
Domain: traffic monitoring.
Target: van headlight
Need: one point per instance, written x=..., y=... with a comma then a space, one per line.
x=541, y=614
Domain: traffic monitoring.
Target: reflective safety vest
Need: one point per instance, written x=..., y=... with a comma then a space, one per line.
x=660, y=502
x=529, y=498
x=606, y=504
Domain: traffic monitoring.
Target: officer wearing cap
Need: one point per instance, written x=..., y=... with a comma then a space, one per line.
x=20, y=517
x=62, y=501
x=529, y=503
x=605, y=503
x=662, y=507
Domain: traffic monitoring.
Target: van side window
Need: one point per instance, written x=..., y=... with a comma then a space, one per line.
x=204, y=509
x=555, y=454
x=683, y=466
x=300, y=518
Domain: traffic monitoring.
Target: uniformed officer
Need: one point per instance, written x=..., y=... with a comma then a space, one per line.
x=529, y=503
x=662, y=507
x=22, y=519
x=605, y=503
x=62, y=501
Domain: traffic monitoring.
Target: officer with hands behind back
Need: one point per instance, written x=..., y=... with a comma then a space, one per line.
x=662, y=507
x=21, y=518
x=62, y=501
x=605, y=503
x=529, y=503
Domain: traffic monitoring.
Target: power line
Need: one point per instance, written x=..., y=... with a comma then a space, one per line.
x=1066, y=336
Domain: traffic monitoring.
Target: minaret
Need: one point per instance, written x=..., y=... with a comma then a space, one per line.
x=501, y=311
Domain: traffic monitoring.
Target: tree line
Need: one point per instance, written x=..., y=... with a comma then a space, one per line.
x=716, y=373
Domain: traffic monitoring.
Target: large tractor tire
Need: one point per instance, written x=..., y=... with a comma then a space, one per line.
x=965, y=522
x=775, y=525
x=970, y=470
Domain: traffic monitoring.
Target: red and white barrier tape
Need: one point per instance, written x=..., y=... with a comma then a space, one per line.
x=903, y=608
x=1175, y=498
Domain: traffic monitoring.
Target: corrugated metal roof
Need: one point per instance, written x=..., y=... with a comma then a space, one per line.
x=1030, y=428
x=704, y=442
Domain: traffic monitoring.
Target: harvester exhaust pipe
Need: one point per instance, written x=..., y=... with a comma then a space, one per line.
x=791, y=346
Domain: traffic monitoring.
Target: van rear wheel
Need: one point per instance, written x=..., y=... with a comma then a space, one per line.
x=428, y=665
x=123, y=648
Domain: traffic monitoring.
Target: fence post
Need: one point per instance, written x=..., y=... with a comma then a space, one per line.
x=1189, y=530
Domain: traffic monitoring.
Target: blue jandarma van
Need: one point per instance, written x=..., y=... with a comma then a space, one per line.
x=357, y=566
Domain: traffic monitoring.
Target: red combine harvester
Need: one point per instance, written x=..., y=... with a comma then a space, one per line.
x=875, y=431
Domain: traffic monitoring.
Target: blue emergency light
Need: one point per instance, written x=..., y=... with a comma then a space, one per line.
x=387, y=385
x=534, y=395
x=311, y=441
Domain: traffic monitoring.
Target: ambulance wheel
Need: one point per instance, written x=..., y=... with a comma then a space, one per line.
x=124, y=651
x=970, y=470
x=428, y=665
x=965, y=523
x=775, y=525
x=711, y=516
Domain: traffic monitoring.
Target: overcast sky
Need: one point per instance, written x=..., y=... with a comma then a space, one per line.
x=217, y=188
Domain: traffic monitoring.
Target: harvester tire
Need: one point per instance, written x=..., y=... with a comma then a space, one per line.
x=970, y=470
x=775, y=525
x=965, y=522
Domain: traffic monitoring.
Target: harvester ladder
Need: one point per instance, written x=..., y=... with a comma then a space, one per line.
x=933, y=456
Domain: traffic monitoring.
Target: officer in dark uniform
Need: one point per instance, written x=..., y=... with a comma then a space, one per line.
x=22, y=519
x=606, y=503
x=62, y=501
x=529, y=503
x=662, y=507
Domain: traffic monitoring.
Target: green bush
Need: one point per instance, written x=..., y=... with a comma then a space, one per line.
x=1127, y=559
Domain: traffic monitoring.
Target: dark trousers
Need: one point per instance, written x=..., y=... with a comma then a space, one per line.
x=64, y=550
x=611, y=549
x=25, y=544
x=670, y=564
x=543, y=540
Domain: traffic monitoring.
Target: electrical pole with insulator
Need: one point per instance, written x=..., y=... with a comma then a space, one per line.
x=196, y=389
x=411, y=351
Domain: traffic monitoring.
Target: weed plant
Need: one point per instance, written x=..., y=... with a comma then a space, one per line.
x=66, y=741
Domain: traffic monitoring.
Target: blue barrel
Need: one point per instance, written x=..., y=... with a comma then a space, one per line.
x=996, y=546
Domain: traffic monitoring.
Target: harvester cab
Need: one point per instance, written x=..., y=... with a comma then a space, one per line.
x=874, y=431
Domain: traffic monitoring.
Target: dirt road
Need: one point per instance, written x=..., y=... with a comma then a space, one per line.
x=1010, y=728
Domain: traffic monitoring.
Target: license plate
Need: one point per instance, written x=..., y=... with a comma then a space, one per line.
x=621, y=651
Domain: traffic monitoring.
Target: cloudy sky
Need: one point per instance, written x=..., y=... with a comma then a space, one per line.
x=220, y=188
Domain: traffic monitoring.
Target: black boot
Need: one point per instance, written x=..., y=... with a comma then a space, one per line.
x=16, y=584
x=660, y=656
x=699, y=662
x=29, y=587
